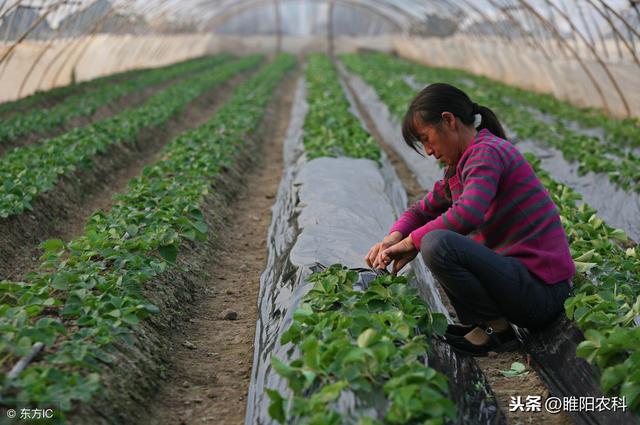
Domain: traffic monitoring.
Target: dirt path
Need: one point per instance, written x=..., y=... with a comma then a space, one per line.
x=63, y=212
x=208, y=379
x=503, y=387
x=196, y=114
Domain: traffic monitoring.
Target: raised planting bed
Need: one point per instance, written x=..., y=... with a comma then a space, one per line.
x=31, y=170
x=48, y=98
x=102, y=303
x=86, y=103
x=330, y=208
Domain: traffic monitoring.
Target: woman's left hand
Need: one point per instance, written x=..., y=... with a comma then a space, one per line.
x=401, y=254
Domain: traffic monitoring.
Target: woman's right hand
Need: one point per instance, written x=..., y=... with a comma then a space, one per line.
x=374, y=257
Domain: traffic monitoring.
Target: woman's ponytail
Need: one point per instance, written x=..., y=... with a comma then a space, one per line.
x=489, y=120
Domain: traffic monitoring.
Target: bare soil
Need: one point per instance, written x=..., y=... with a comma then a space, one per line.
x=208, y=376
x=504, y=388
x=62, y=212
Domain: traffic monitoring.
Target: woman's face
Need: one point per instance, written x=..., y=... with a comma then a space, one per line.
x=442, y=140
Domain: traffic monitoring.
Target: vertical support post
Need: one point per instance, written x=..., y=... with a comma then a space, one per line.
x=603, y=42
x=611, y=78
x=634, y=4
x=276, y=5
x=592, y=42
x=615, y=38
x=330, y=29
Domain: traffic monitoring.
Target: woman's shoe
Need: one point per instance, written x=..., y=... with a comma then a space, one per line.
x=455, y=330
x=498, y=341
x=460, y=330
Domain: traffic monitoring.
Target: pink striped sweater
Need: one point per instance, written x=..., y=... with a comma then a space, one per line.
x=499, y=201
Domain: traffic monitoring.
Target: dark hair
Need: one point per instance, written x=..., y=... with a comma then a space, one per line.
x=437, y=98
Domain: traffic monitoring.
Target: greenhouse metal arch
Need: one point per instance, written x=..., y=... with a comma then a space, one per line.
x=206, y=207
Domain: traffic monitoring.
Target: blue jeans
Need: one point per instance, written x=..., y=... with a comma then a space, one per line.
x=483, y=285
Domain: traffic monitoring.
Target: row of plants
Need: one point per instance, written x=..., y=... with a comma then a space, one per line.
x=618, y=132
x=370, y=343
x=606, y=303
x=86, y=103
x=29, y=171
x=88, y=292
x=330, y=129
x=514, y=107
x=41, y=97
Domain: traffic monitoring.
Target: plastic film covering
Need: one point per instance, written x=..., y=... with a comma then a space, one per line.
x=331, y=210
x=394, y=188
x=278, y=288
x=307, y=18
x=315, y=200
x=584, y=51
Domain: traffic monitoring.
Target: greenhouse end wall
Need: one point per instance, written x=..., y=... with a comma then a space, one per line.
x=101, y=55
x=44, y=64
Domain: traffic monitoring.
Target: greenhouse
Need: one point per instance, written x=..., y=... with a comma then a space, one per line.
x=320, y=212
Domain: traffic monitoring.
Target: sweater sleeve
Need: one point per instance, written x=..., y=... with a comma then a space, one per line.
x=481, y=174
x=423, y=211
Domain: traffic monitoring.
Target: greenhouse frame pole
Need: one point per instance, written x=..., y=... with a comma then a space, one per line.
x=330, y=35
x=484, y=16
x=245, y=5
x=40, y=55
x=28, y=31
x=527, y=37
x=86, y=46
x=13, y=6
x=618, y=49
x=276, y=5
x=603, y=42
x=617, y=32
x=573, y=52
x=624, y=21
x=592, y=49
x=82, y=42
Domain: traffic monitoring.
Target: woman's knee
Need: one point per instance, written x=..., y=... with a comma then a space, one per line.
x=435, y=246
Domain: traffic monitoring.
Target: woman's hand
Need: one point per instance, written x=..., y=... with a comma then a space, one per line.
x=373, y=257
x=401, y=254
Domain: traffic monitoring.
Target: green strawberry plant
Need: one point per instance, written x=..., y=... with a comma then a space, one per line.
x=329, y=128
x=371, y=343
x=606, y=303
x=87, y=294
x=58, y=93
x=28, y=171
x=86, y=103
